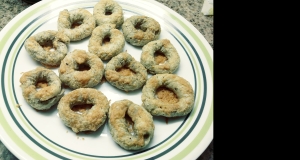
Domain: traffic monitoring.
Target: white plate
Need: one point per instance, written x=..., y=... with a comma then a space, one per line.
x=30, y=134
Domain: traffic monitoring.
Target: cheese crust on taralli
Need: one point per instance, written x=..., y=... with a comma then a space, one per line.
x=105, y=51
x=45, y=97
x=131, y=126
x=47, y=47
x=181, y=87
x=127, y=82
x=76, y=24
x=108, y=12
x=140, y=30
x=89, y=120
x=165, y=47
x=71, y=75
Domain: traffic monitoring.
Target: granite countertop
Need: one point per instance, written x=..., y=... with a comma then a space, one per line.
x=189, y=9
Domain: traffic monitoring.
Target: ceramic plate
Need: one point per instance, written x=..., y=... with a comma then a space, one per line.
x=31, y=134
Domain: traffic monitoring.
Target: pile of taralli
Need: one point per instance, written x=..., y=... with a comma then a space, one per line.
x=131, y=125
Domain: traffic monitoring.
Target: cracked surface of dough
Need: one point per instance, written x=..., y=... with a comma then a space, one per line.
x=45, y=97
x=105, y=51
x=90, y=120
x=129, y=82
x=139, y=30
x=71, y=75
x=108, y=12
x=84, y=19
x=181, y=87
x=132, y=135
x=34, y=45
x=164, y=46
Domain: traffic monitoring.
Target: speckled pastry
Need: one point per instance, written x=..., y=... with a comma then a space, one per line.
x=91, y=119
x=139, y=30
x=165, y=47
x=157, y=107
x=76, y=24
x=105, y=51
x=108, y=12
x=131, y=126
x=47, y=47
x=71, y=74
x=128, y=81
x=46, y=96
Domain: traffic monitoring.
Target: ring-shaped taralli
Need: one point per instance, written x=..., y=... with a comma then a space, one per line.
x=45, y=97
x=181, y=87
x=68, y=19
x=129, y=81
x=105, y=51
x=131, y=126
x=47, y=47
x=73, y=76
x=164, y=47
x=91, y=119
x=108, y=12
x=140, y=30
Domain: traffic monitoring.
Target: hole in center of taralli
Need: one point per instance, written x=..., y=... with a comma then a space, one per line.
x=76, y=23
x=106, y=40
x=81, y=108
x=160, y=57
x=139, y=26
x=129, y=124
x=48, y=45
x=156, y=32
x=83, y=67
x=125, y=71
x=166, y=95
x=41, y=84
x=108, y=12
x=146, y=136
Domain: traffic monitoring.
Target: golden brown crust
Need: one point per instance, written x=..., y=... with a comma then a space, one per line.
x=135, y=135
x=34, y=45
x=46, y=96
x=70, y=74
x=126, y=82
x=165, y=47
x=139, y=30
x=108, y=12
x=108, y=50
x=90, y=120
x=67, y=18
x=181, y=87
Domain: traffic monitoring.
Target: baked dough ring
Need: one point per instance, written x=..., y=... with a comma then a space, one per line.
x=111, y=49
x=45, y=97
x=181, y=87
x=130, y=138
x=165, y=47
x=108, y=12
x=67, y=18
x=34, y=46
x=139, y=30
x=125, y=82
x=71, y=75
x=91, y=119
